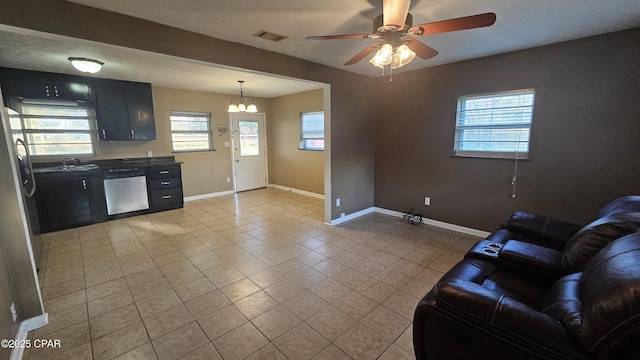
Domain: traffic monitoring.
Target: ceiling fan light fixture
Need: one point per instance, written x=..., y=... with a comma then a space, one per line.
x=402, y=56
x=383, y=56
x=86, y=65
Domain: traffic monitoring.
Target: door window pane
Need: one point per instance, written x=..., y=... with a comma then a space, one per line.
x=249, y=138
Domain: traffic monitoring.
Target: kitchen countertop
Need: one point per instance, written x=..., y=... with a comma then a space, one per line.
x=101, y=165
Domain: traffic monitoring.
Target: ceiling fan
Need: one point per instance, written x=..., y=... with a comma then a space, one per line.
x=398, y=34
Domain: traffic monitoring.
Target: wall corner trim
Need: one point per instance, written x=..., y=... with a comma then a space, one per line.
x=440, y=224
x=298, y=191
x=23, y=331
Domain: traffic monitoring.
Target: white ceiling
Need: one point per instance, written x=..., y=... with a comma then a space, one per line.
x=519, y=25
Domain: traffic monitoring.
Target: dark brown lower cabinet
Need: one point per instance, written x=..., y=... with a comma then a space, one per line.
x=67, y=200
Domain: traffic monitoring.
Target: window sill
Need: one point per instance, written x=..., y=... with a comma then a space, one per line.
x=191, y=151
x=310, y=149
x=484, y=157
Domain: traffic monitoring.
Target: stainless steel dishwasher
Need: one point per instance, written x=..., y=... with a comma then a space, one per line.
x=125, y=190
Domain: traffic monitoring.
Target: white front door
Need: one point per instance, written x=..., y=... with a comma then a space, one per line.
x=249, y=151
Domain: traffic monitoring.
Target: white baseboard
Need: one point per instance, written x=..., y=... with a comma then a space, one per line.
x=210, y=195
x=440, y=224
x=23, y=331
x=351, y=216
x=297, y=191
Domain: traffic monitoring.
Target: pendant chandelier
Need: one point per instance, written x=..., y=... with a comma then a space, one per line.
x=242, y=104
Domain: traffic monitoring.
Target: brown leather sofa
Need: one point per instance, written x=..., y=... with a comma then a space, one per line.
x=540, y=288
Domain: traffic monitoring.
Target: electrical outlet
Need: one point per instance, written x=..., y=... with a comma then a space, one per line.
x=427, y=200
x=14, y=312
x=228, y=179
x=342, y=215
x=337, y=202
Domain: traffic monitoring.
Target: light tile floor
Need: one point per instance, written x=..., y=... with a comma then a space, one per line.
x=251, y=276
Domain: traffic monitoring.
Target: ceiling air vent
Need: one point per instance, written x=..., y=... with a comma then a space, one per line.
x=269, y=36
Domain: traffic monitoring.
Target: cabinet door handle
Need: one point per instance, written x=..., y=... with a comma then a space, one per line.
x=84, y=184
x=164, y=172
x=104, y=134
x=166, y=196
x=165, y=183
x=133, y=134
x=46, y=90
x=55, y=90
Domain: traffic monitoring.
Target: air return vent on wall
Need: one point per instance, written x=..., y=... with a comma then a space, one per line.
x=269, y=36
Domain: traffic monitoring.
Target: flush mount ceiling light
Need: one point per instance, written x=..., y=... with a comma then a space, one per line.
x=241, y=104
x=86, y=65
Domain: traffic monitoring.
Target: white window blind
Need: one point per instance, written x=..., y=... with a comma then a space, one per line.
x=56, y=128
x=190, y=131
x=312, y=130
x=495, y=125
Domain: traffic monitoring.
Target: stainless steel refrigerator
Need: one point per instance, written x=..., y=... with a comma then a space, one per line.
x=21, y=307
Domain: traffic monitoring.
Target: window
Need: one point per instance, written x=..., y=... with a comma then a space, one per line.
x=495, y=125
x=55, y=128
x=190, y=131
x=312, y=130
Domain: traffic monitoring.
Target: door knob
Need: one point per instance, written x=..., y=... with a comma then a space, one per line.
x=237, y=160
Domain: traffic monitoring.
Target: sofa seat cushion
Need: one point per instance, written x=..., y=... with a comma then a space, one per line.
x=493, y=277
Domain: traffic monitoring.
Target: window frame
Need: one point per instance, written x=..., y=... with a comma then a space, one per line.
x=495, y=154
x=194, y=114
x=18, y=104
x=303, y=139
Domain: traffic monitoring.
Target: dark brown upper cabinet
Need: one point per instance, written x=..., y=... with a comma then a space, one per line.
x=43, y=85
x=124, y=110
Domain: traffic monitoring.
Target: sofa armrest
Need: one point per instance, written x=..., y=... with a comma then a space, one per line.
x=506, y=319
x=554, y=232
x=537, y=258
x=536, y=263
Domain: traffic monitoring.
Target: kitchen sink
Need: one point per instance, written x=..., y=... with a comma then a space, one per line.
x=66, y=168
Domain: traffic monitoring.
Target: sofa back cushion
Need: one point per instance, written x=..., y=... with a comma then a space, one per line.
x=620, y=205
x=590, y=239
x=610, y=300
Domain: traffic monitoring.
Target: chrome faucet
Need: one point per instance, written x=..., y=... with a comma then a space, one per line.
x=69, y=161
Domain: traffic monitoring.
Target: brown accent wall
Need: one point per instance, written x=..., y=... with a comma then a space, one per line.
x=289, y=165
x=584, y=145
x=352, y=96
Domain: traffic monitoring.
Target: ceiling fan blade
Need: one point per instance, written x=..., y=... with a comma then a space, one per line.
x=422, y=50
x=345, y=36
x=463, y=23
x=362, y=54
x=395, y=12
